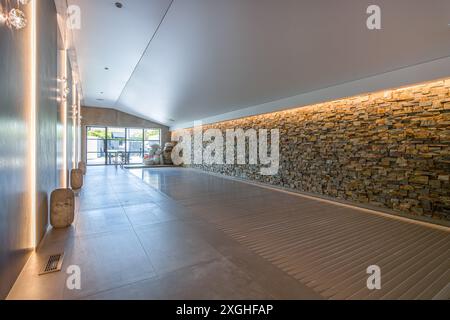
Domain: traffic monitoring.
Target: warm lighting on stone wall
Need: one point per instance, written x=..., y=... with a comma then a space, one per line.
x=386, y=94
x=388, y=149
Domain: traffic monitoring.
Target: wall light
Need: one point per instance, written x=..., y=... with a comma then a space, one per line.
x=64, y=118
x=14, y=17
x=17, y=19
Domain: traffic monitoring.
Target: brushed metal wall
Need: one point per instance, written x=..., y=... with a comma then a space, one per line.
x=46, y=179
x=14, y=229
x=15, y=233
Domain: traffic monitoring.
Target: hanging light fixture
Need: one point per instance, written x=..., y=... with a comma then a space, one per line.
x=15, y=18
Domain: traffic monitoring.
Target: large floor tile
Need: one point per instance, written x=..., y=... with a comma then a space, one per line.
x=98, y=203
x=142, y=214
x=102, y=220
x=133, y=198
x=107, y=261
x=213, y=280
x=175, y=233
x=174, y=245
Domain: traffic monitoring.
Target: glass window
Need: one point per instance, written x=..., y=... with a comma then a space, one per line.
x=135, y=134
x=105, y=145
x=95, y=145
x=96, y=133
x=116, y=133
x=116, y=145
x=149, y=144
x=153, y=135
x=96, y=158
x=135, y=158
x=135, y=146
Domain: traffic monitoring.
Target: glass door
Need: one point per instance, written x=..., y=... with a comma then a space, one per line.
x=105, y=145
x=135, y=145
x=96, y=146
x=115, y=144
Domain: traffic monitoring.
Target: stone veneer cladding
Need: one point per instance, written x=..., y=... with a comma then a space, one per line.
x=389, y=149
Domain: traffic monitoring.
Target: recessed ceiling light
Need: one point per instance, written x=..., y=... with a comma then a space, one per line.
x=119, y=5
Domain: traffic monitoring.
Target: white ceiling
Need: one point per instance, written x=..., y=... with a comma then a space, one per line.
x=115, y=39
x=211, y=57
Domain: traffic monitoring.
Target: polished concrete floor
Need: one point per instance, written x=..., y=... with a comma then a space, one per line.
x=174, y=233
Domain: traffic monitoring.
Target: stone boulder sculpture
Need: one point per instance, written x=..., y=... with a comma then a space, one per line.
x=82, y=167
x=76, y=179
x=153, y=157
x=62, y=208
x=167, y=153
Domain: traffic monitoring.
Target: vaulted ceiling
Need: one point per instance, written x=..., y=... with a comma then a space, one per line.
x=183, y=60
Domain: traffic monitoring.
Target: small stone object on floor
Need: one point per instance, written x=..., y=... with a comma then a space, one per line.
x=76, y=179
x=82, y=167
x=62, y=208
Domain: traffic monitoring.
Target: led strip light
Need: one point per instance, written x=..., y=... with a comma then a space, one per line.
x=64, y=119
x=32, y=125
x=74, y=124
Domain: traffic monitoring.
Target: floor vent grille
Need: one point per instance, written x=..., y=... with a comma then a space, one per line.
x=54, y=264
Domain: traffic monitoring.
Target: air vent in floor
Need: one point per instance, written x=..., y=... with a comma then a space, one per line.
x=53, y=264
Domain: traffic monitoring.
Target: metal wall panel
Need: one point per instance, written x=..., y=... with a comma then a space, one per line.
x=15, y=220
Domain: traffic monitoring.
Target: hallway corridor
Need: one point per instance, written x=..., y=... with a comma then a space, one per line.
x=181, y=234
